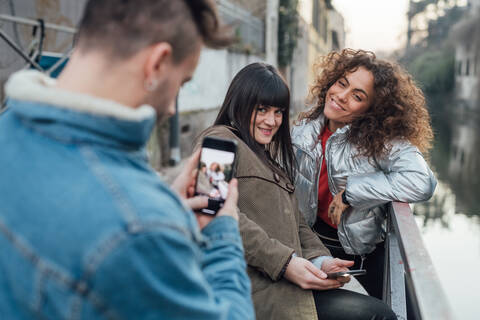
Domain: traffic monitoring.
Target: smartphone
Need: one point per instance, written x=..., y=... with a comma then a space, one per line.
x=215, y=170
x=335, y=275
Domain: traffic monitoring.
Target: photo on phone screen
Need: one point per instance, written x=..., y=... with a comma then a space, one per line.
x=215, y=170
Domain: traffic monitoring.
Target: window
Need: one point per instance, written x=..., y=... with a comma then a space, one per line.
x=316, y=15
x=335, y=42
x=475, y=63
x=324, y=28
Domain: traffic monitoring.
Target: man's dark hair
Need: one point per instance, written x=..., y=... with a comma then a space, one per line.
x=123, y=27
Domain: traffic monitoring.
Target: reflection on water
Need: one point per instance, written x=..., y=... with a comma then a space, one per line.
x=455, y=157
x=450, y=221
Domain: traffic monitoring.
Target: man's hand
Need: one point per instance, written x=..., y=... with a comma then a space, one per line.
x=184, y=184
x=336, y=208
x=336, y=265
x=304, y=274
x=229, y=207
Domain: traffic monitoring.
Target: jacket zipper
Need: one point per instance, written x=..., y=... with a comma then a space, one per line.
x=330, y=183
x=329, y=170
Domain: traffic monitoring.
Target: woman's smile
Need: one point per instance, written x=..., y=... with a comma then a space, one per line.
x=350, y=96
x=266, y=132
x=335, y=105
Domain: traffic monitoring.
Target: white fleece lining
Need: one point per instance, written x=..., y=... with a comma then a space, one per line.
x=34, y=86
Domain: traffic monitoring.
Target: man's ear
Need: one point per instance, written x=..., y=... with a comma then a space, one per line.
x=159, y=57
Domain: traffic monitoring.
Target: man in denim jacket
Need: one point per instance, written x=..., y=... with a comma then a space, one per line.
x=87, y=230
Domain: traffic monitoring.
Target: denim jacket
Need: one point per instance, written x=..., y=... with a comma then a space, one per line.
x=87, y=229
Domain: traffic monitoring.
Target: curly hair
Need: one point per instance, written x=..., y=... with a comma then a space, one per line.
x=398, y=110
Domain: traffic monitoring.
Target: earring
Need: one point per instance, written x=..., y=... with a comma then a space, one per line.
x=150, y=85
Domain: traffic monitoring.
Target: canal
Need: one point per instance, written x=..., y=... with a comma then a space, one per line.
x=450, y=221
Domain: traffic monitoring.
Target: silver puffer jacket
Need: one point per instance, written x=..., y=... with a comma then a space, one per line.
x=403, y=175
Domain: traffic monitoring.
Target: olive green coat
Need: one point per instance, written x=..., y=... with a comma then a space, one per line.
x=272, y=228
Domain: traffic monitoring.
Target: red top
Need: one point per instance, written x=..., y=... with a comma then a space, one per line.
x=324, y=195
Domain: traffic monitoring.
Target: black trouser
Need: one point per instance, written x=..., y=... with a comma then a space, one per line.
x=374, y=262
x=341, y=304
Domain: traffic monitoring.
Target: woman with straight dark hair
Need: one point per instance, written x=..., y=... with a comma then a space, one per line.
x=287, y=262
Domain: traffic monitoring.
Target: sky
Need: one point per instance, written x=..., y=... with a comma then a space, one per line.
x=378, y=25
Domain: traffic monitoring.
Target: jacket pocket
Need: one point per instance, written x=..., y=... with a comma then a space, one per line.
x=360, y=231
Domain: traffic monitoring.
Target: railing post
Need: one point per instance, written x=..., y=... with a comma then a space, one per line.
x=394, y=275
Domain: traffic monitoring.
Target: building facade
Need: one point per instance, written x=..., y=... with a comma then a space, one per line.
x=467, y=56
x=322, y=30
x=464, y=164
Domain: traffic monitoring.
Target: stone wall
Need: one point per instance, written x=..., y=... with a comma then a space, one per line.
x=255, y=7
x=199, y=101
x=191, y=125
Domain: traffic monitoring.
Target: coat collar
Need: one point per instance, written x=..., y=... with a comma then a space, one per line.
x=75, y=117
x=305, y=134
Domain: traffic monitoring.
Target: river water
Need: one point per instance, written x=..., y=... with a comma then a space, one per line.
x=450, y=221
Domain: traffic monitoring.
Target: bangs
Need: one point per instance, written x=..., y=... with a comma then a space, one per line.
x=274, y=93
x=260, y=84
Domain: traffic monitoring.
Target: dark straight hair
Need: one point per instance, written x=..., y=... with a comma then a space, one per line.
x=260, y=84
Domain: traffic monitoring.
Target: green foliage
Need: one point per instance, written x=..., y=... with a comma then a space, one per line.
x=439, y=28
x=419, y=6
x=288, y=31
x=434, y=70
x=445, y=15
x=432, y=61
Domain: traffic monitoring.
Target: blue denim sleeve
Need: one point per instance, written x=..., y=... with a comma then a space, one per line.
x=318, y=261
x=224, y=267
x=166, y=274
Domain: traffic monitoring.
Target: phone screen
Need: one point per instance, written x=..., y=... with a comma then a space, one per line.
x=215, y=171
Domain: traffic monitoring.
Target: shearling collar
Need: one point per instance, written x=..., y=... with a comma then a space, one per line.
x=305, y=134
x=76, y=118
x=34, y=86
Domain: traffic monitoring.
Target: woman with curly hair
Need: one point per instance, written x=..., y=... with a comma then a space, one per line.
x=357, y=149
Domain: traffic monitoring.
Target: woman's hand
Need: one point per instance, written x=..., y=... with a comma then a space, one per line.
x=336, y=208
x=304, y=274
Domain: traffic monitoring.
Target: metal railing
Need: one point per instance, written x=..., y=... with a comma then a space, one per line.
x=33, y=23
x=411, y=285
x=31, y=60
